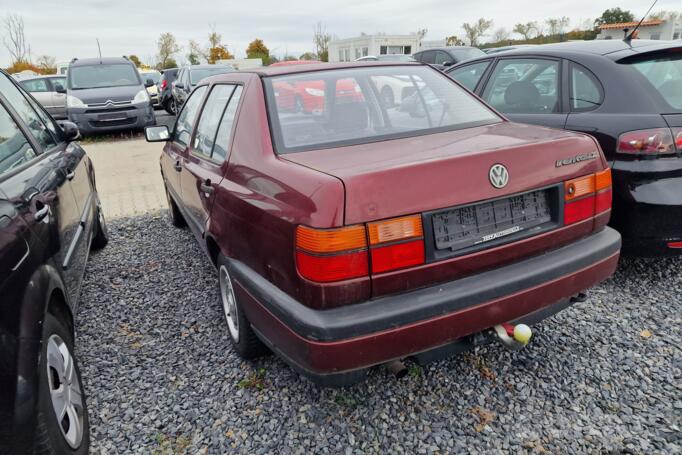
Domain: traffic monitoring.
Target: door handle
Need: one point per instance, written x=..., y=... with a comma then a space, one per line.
x=70, y=174
x=206, y=187
x=177, y=166
x=40, y=214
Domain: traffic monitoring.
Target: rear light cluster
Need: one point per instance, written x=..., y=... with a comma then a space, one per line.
x=164, y=84
x=326, y=255
x=587, y=196
x=657, y=141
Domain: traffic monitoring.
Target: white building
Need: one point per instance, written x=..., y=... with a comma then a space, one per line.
x=653, y=29
x=349, y=49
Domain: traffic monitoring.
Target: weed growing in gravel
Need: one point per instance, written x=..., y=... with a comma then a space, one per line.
x=167, y=445
x=415, y=371
x=484, y=417
x=254, y=381
x=345, y=400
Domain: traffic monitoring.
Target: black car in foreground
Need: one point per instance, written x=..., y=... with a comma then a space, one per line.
x=166, y=90
x=50, y=217
x=628, y=96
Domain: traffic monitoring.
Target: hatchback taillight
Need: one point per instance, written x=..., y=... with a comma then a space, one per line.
x=657, y=141
x=587, y=196
x=677, y=132
x=164, y=83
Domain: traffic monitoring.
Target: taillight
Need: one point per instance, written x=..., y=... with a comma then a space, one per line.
x=587, y=196
x=396, y=243
x=326, y=255
x=164, y=83
x=677, y=132
x=657, y=141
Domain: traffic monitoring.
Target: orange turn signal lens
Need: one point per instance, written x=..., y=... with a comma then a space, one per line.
x=331, y=240
x=405, y=227
x=602, y=180
x=577, y=188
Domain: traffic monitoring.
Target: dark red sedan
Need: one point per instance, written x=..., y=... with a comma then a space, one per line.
x=366, y=233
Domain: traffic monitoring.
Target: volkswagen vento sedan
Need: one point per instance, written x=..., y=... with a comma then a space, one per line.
x=359, y=235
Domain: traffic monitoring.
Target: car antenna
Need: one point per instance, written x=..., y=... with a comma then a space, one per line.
x=100, y=49
x=631, y=35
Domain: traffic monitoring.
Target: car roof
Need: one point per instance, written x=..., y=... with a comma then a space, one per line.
x=446, y=48
x=294, y=69
x=207, y=65
x=41, y=76
x=101, y=61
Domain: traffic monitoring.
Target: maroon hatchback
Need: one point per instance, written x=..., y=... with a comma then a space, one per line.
x=366, y=231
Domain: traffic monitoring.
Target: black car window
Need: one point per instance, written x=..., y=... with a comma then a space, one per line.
x=442, y=58
x=585, y=93
x=15, y=149
x=224, y=136
x=40, y=125
x=35, y=85
x=469, y=75
x=427, y=57
x=524, y=86
x=185, y=122
x=210, y=118
x=56, y=81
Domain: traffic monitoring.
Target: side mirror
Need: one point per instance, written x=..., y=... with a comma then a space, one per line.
x=448, y=63
x=148, y=83
x=179, y=85
x=59, y=88
x=70, y=130
x=157, y=133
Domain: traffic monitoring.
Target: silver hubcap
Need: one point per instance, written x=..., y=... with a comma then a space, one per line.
x=229, y=303
x=65, y=390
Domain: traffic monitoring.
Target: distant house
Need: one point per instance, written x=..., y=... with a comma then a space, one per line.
x=652, y=29
x=350, y=49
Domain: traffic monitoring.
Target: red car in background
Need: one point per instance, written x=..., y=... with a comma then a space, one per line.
x=368, y=235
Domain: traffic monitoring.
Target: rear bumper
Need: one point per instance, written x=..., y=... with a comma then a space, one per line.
x=332, y=345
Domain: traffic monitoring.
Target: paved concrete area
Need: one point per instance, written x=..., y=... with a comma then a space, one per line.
x=128, y=177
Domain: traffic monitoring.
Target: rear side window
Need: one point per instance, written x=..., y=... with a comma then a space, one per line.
x=185, y=122
x=35, y=85
x=224, y=138
x=524, y=86
x=469, y=75
x=210, y=118
x=15, y=149
x=665, y=76
x=585, y=92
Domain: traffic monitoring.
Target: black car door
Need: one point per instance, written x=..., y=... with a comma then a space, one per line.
x=528, y=90
x=38, y=184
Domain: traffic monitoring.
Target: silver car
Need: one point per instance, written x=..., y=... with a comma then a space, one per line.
x=50, y=91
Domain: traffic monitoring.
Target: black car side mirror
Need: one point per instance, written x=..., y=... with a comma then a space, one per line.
x=59, y=88
x=448, y=63
x=148, y=83
x=179, y=85
x=70, y=130
x=157, y=133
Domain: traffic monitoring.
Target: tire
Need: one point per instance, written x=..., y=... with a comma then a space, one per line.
x=387, y=97
x=70, y=435
x=243, y=338
x=172, y=106
x=174, y=214
x=101, y=237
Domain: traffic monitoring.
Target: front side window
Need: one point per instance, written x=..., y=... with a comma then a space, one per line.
x=196, y=75
x=58, y=81
x=35, y=85
x=97, y=76
x=15, y=149
x=428, y=57
x=185, y=122
x=469, y=75
x=26, y=109
x=344, y=107
x=210, y=118
x=585, y=94
x=442, y=58
x=524, y=86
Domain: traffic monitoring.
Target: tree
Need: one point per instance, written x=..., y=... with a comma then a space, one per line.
x=321, y=40
x=170, y=63
x=527, y=30
x=287, y=58
x=476, y=30
x=215, y=39
x=47, y=64
x=257, y=49
x=453, y=41
x=557, y=26
x=219, y=52
x=15, y=39
x=614, y=16
x=136, y=60
x=308, y=56
x=663, y=15
x=18, y=67
x=168, y=46
x=196, y=53
x=501, y=34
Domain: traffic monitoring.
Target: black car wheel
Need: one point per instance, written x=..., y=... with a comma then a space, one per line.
x=172, y=106
x=101, y=237
x=244, y=339
x=174, y=214
x=63, y=427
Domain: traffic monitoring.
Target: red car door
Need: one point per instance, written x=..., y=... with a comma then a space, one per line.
x=204, y=163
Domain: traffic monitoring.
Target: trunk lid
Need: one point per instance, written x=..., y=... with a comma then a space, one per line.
x=424, y=173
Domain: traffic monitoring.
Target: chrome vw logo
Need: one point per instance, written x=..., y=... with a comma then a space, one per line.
x=499, y=176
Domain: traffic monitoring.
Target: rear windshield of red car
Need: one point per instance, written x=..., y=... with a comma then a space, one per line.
x=324, y=109
x=663, y=73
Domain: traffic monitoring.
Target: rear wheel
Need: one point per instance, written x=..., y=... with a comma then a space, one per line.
x=244, y=339
x=172, y=106
x=63, y=426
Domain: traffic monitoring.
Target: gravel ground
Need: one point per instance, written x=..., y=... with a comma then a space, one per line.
x=602, y=377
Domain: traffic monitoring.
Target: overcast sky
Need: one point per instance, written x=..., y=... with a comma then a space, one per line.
x=68, y=28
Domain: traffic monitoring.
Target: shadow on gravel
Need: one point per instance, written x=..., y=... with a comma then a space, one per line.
x=161, y=376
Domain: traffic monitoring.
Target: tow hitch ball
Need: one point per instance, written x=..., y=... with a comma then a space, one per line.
x=512, y=337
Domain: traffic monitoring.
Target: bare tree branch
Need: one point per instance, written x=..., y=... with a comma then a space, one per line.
x=15, y=39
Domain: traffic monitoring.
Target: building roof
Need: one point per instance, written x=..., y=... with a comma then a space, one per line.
x=624, y=25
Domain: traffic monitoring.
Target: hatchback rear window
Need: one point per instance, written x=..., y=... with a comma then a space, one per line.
x=97, y=76
x=324, y=109
x=665, y=75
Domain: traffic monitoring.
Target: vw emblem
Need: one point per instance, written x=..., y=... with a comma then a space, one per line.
x=499, y=176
